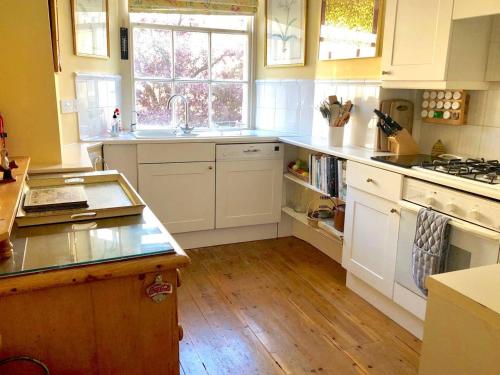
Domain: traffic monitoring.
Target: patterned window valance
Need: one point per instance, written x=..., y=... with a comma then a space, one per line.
x=196, y=6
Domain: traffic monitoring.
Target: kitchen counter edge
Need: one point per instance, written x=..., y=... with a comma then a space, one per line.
x=363, y=155
x=353, y=153
x=107, y=269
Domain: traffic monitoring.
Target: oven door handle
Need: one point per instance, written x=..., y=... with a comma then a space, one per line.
x=457, y=223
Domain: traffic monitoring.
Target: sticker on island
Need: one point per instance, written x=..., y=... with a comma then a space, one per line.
x=158, y=290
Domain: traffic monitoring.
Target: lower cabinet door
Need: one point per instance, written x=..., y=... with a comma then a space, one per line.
x=370, y=239
x=182, y=195
x=123, y=158
x=248, y=192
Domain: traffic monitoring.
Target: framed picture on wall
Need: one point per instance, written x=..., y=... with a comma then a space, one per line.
x=285, y=33
x=350, y=30
x=90, y=28
x=54, y=31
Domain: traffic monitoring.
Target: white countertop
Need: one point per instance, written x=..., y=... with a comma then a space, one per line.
x=363, y=155
x=75, y=156
x=227, y=136
x=76, y=159
x=477, y=288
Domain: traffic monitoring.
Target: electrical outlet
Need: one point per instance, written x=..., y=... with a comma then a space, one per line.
x=68, y=106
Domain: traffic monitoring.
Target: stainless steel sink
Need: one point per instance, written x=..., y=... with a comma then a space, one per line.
x=157, y=133
x=160, y=133
x=154, y=133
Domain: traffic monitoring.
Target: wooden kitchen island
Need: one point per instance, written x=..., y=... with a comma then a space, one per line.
x=92, y=297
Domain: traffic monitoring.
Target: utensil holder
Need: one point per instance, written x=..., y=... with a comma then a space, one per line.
x=336, y=136
x=403, y=144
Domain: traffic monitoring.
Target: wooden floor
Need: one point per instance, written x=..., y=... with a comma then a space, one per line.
x=281, y=307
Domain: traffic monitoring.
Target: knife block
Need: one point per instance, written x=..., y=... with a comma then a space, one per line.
x=403, y=144
x=401, y=111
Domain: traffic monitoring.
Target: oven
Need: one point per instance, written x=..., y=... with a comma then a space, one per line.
x=474, y=235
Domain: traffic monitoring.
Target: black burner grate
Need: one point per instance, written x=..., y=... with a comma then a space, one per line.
x=487, y=171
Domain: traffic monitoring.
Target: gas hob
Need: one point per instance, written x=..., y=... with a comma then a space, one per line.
x=487, y=171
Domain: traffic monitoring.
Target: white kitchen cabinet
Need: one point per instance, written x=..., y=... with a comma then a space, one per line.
x=249, y=184
x=493, y=70
x=123, y=158
x=468, y=8
x=370, y=239
x=424, y=48
x=96, y=157
x=182, y=195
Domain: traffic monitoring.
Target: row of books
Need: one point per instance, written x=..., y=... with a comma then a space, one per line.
x=327, y=173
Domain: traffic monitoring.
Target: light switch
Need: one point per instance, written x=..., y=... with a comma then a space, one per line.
x=68, y=106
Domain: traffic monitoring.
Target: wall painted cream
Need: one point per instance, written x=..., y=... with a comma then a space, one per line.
x=72, y=63
x=27, y=85
x=341, y=69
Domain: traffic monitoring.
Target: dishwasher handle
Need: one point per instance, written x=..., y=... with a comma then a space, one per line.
x=249, y=151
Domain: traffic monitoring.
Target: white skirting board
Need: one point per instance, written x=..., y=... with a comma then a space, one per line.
x=327, y=245
x=190, y=240
x=285, y=226
x=402, y=317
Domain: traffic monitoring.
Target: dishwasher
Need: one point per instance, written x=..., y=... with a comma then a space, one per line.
x=249, y=182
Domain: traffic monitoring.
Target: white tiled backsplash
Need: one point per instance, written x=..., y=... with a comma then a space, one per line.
x=292, y=105
x=479, y=138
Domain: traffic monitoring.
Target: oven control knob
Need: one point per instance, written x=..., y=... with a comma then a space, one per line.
x=474, y=213
x=450, y=206
x=429, y=200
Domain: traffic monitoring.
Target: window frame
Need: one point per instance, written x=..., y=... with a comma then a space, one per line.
x=247, y=112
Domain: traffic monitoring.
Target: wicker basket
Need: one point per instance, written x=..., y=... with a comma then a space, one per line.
x=317, y=205
x=303, y=178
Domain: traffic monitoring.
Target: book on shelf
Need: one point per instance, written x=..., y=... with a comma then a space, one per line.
x=342, y=179
x=327, y=173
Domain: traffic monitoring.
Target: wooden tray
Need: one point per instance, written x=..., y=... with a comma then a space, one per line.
x=109, y=194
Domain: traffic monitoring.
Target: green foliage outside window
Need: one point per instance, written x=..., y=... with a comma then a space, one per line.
x=352, y=14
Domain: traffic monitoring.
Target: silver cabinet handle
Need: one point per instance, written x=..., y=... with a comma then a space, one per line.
x=83, y=214
x=75, y=180
x=386, y=72
x=86, y=226
x=252, y=150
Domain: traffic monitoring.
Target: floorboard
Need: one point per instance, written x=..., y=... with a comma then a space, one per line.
x=281, y=307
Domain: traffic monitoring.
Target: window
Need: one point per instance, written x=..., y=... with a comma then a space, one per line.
x=206, y=58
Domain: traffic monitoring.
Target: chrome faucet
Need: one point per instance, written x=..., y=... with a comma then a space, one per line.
x=186, y=129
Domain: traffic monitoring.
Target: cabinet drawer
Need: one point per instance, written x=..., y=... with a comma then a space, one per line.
x=175, y=152
x=375, y=180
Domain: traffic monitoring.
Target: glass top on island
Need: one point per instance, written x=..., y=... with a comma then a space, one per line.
x=66, y=245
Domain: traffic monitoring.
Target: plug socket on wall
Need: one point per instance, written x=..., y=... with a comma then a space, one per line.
x=69, y=106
